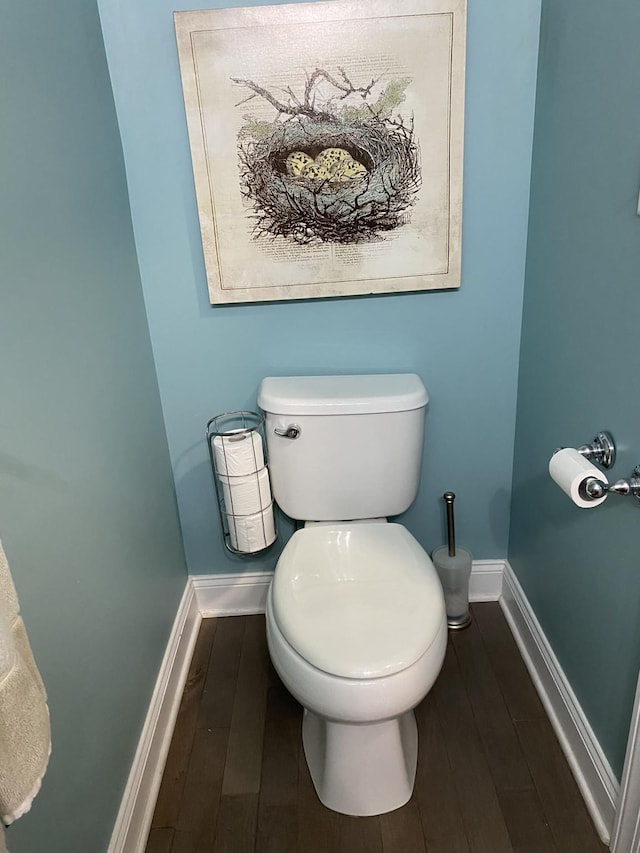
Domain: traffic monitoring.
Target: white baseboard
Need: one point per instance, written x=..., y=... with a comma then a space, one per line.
x=231, y=595
x=486, y=580
x=592, y=771
x=625, y=837
x=242, y=594
x=138, y=802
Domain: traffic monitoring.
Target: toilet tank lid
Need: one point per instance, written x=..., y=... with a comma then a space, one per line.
x=342, y=395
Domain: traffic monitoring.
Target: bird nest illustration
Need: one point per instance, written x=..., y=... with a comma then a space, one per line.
x=326, y=171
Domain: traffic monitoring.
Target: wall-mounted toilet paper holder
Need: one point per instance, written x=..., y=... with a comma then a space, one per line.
x=603, y=451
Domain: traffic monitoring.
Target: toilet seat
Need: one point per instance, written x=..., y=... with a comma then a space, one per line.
x=359, y=601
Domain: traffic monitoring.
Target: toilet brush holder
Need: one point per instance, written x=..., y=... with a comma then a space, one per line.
x=453, y=565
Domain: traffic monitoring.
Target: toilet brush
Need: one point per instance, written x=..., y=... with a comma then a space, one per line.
x=454, y=569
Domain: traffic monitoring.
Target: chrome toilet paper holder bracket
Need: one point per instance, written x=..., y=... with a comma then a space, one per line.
x=601, y=450
x=592, y=488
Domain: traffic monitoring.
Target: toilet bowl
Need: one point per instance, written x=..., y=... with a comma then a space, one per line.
x=356, y=629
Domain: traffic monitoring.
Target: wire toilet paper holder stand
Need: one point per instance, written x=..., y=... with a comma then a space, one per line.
x=603, y=451
x=223, y=432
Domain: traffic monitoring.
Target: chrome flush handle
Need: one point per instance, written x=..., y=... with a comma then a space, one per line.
x=292, y=431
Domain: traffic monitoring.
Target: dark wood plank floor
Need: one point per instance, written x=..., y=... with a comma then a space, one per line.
x=491, y=776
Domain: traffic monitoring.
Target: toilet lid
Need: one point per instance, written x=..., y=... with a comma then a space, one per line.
x=358, y=601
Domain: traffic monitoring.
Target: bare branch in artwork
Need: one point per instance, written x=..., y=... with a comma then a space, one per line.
x=292, y=95
x=245, y=100
x=307, y=106
x=346, y=86
x=288, y=109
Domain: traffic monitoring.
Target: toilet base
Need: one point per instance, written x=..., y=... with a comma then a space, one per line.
x=361, y=769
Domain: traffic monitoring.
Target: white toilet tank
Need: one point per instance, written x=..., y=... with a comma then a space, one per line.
x=359, y=447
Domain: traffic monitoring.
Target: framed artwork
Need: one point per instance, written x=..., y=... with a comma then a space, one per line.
x=326, y=141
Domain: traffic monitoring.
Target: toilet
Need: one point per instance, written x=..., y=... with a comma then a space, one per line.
x=355, y=615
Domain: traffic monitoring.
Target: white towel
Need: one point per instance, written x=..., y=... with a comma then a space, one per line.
x=25, y=731
x=7, y=646
x=8, y=597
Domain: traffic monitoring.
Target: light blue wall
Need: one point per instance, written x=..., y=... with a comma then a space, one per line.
x=579, y=362
x=87, y=511
x=464, y=344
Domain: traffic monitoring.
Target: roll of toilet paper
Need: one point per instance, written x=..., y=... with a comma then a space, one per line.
x=248, y=494
x=569, y=468
x=249, y=533
x=238, y=455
